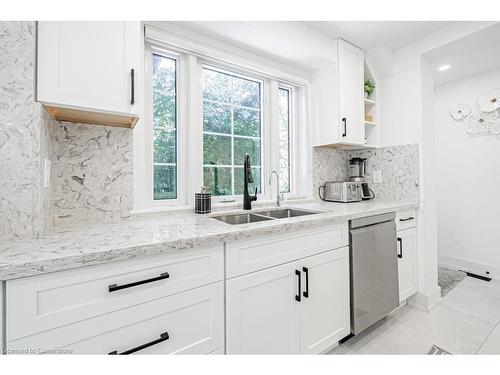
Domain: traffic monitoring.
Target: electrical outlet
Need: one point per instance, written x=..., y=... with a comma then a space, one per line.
x=377, y=176
x=46, y=173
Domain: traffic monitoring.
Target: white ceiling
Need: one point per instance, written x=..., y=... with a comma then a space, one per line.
x=309, y=45
x=468, y=56
x=369, y=34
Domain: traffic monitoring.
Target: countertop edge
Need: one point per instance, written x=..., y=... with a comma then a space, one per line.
x=11, y=271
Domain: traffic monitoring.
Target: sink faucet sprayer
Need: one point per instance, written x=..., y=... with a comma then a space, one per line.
x=277, y=186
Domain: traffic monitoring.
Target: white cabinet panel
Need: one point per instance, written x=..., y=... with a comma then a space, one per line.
x=88, y=64
x=406, y=219
x=272, y=312
x=262, y=312
x=193, y=320
x=351, y=89
x=407, y=262
x=44, y=302
x=324, y=310
x=267, y=251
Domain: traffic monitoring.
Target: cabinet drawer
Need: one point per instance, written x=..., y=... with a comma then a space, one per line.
x=406, y=219
x=191, y=322
x=40, y=303
x=248, y=256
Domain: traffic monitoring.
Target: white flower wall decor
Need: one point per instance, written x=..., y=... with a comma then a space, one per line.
x=485, y=121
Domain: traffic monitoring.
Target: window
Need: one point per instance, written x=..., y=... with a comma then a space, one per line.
x=284, y=139
x=232, y=127
x=164, y=127
x=204, y=112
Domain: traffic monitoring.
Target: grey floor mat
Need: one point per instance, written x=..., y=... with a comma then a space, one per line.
x=448, y=279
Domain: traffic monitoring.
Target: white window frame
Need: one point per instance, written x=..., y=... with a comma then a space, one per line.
x=190, y=63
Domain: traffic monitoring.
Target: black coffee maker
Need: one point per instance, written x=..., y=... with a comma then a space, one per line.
x=357, y=169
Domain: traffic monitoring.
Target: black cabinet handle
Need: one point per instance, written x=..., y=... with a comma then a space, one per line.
x=306, y=292
x=115, y=287
x=132, y=86
x=407, y=219
x=400, y=253
x=163, y=337
x=344, y=121
x=297, y=296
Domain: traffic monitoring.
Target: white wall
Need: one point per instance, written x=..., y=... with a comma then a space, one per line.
x=468, y=181
x=406, y=117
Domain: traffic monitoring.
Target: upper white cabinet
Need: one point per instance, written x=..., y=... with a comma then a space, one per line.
x=351, y=61
x=338, y=101
x=88, y=71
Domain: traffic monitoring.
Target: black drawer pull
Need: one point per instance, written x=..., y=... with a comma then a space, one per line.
x=163, y=337
x=306, y=292
x=407, y=219
x=115, y=287
x=400, y=252
x=132, y=86
x=297, y=296
x=344, y=121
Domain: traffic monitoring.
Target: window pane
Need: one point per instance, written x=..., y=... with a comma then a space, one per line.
x=231, y=105
x=165, y=182
x=244, y=146
x=217, y=180
x=163, y=74
x=246, y=122
x=164, y=146
x=217, y=118
x=216, y=86
x=216, y=150
x=246, y=93
x=284, y=142
x=164, y=128
x=238, y=181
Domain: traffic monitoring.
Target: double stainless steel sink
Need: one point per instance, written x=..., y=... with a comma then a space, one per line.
x=254, y=217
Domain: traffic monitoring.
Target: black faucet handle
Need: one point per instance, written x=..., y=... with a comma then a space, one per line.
x=255, y=195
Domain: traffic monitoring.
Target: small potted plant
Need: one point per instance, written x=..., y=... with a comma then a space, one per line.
x=369, y=88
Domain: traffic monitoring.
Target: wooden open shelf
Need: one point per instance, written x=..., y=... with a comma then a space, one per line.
x=94, y=118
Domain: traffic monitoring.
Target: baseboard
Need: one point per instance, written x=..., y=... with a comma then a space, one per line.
x=425, y=302
x=468, y=265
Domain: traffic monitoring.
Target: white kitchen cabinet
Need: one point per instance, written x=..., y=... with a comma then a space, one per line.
x=338, y=99
x=407, y=262
x=324, y=309
x=351, y=62
x=297, y=307
x=87, y=71
x=262, y=315
x=191, y=322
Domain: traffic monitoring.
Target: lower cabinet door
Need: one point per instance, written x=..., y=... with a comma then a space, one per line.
x=190, y=322
x=325, y=306
x=262, y=314
x=407, y=263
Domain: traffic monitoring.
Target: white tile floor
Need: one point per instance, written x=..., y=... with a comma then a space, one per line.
x=466, y=321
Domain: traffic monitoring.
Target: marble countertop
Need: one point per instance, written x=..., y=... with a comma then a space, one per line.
x=160, y=233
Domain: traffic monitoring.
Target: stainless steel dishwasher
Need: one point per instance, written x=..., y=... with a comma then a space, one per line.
x=374, y=269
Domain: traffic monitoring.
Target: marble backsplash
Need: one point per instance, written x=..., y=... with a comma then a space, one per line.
x=399, y=166
x=20, y=177
x=91, y=173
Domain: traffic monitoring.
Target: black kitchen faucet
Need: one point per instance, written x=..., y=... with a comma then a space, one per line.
x=247, y=172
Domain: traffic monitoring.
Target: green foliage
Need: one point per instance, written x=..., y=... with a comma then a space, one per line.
x=369, y=87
